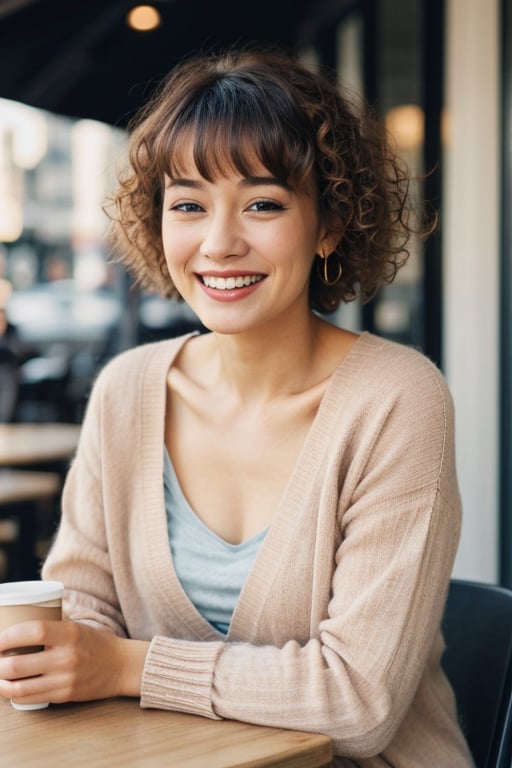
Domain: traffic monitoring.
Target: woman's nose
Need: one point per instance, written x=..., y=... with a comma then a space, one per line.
x=223, y=238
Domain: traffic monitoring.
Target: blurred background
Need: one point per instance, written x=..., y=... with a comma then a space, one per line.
x=440, y=74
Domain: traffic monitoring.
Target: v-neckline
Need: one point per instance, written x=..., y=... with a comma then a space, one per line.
x=259, y=580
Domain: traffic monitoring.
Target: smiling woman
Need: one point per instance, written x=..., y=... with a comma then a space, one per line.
x=234, y=112
x=261, y=521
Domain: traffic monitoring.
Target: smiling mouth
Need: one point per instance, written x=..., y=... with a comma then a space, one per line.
x=230, y=283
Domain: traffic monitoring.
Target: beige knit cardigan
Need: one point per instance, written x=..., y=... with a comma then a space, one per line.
x=337, y=626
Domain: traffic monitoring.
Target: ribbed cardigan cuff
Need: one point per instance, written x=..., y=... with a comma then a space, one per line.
x=178, y=675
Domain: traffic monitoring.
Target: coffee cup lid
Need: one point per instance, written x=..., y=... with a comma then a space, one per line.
x=26, y=592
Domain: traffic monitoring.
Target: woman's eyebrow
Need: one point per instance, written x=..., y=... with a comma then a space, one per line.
x=247, y=181
x=259, y=181
x=183, y=182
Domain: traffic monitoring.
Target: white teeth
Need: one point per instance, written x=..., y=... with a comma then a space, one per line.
x=228, y=283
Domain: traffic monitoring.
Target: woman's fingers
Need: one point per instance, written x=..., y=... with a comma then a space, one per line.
x=71, y=666
x=36, y=689
x=37, y=633
x=77, y=663
x=23, y=675
x=19, y=666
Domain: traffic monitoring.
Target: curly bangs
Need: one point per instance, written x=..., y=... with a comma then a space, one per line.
x=234, y=122
x=242, y=109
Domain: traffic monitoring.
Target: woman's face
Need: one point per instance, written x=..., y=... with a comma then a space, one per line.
x=239, y=249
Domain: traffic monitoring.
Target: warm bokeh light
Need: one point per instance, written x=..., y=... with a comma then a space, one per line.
x=407, y=124
x=29, y=135
x=446, y=128
x=90, y=144
x=11, y=219
x=144, y=18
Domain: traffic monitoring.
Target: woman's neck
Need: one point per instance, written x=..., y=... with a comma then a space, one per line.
x=259, y=367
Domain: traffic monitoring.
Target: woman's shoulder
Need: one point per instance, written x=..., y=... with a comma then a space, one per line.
x=396, y=399
x=397, y=361
x=391, y=375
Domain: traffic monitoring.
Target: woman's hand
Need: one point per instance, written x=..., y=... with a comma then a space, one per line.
x=78, y=663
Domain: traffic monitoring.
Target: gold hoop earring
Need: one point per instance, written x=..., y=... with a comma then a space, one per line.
x=324, y=275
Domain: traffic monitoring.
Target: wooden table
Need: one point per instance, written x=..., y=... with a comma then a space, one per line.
x=117, y=733
x=21, y=485
x=37, y=443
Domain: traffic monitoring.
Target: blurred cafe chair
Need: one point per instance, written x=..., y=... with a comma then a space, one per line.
x=9, y=369
x=44, y=381
x=477, y=628
x=24, y=496
x=9, y=389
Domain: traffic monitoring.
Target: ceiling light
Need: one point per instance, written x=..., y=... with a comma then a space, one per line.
x=144, y=18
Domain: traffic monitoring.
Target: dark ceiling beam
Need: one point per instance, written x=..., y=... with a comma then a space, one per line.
x=7, y=7
x=81, y=59
x=51, y=83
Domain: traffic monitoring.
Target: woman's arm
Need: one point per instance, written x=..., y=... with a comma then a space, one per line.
x=88, y=657
x=79, y=556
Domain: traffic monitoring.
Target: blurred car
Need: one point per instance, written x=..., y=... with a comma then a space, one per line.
x=68, y=334
x=56, y=312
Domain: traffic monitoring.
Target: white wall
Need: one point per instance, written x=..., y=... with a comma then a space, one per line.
x=471, y=257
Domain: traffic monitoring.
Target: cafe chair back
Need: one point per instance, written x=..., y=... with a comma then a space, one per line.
x=9, y=389
x=477, y=627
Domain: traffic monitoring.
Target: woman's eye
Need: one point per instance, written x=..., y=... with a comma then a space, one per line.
x=266, y=205
x=186, y=207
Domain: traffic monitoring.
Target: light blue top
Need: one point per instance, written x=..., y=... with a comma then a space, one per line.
x=211, y=571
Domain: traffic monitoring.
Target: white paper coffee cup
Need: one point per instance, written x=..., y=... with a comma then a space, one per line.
x=25, y=601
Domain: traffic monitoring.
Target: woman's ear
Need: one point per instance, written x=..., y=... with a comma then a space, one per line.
x=328, y=243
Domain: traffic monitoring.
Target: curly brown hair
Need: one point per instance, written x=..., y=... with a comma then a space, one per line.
x=301, y=127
